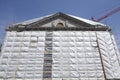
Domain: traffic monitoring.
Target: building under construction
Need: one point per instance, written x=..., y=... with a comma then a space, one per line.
x=59, y=47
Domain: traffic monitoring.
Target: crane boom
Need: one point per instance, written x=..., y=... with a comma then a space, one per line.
x=107, y=15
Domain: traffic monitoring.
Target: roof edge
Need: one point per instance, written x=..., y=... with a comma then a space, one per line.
x=28, y=22
x=25, y=28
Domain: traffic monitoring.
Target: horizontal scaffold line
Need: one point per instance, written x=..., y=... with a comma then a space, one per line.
x=59, y=28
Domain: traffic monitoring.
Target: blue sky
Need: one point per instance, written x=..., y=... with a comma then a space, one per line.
x=13, y=11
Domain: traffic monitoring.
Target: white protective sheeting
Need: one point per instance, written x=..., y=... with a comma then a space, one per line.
x=110, y=54
x=21, y=58
x=75, y=55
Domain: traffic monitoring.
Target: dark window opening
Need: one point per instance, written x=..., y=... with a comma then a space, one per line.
x=60, y=25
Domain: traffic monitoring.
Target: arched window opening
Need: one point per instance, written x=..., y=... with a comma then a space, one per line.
x=60, y=25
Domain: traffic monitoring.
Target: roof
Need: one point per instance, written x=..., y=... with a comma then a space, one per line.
x=59, y=13
x=33, y=20
x=87, y=24
x=87, y=21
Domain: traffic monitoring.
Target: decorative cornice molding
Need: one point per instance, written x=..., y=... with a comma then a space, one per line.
x=95, y=28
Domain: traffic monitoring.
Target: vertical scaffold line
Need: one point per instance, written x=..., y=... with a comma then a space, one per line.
x=19, y=55
x=100, y=56
x=47, y=66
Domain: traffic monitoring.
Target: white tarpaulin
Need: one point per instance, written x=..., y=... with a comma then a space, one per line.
x=75, y=55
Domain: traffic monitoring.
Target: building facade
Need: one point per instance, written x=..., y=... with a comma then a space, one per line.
x=59, y=47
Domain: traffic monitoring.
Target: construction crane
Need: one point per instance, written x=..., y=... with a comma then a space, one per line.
x=107, y=15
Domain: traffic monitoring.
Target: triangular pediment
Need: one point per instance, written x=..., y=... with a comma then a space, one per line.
x=58, y=20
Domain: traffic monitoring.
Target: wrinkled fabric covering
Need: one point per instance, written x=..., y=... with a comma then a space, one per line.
x=75, y=55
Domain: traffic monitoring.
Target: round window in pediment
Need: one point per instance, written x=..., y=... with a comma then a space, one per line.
x=60, y=25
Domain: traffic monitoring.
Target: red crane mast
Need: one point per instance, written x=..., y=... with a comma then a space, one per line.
x=107, y=15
